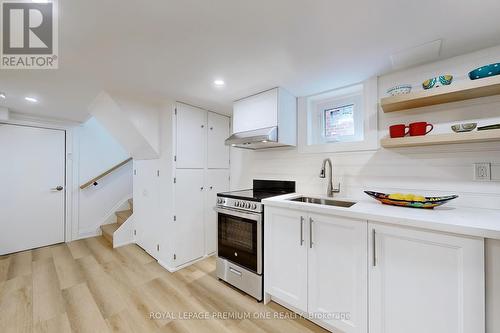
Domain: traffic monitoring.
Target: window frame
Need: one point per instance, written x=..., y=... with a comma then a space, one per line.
x=364, y=93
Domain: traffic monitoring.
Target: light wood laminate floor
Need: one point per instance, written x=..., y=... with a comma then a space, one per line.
x=86, y=286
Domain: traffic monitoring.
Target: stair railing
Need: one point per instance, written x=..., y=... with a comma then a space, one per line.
x=94, y=181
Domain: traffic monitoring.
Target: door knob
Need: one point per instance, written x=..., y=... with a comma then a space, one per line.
x=57, y=189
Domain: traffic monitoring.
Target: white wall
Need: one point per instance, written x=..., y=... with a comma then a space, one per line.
x=132, y=123
x=99, y=151
x=434, y=170
x=153, y=194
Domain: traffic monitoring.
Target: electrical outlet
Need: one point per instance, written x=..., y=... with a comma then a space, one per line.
x=482, y=171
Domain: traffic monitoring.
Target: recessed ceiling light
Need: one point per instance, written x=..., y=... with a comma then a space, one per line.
x=2, y=95
x=219, y=83
x=31, y=99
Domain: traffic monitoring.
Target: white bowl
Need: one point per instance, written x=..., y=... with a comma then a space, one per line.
x=399, y=90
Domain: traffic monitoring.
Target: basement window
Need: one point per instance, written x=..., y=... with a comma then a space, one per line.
x=338, y=122
x=343, y=119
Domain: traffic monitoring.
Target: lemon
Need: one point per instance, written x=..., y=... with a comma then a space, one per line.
x=407, y=197
x=396, y=196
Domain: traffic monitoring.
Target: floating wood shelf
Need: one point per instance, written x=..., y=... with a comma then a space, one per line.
x=442, y=139
x=455, y=92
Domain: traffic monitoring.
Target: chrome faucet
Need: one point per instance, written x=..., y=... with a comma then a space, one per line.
x=330, y=190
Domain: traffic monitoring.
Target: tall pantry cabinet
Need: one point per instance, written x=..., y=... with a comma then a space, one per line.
x=201, y=170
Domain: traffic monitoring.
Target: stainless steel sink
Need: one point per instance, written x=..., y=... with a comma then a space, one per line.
x=327, y=202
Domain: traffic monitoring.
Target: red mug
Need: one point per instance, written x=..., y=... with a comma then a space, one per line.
x=420, y=128
x=398, y=131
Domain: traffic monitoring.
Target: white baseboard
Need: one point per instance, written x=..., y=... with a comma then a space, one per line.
x=88, y=233
x=175, y=269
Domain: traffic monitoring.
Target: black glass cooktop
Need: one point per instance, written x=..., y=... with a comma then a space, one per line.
x=262, y=189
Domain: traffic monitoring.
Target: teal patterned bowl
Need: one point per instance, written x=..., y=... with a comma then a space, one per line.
x=442, y=80
x=485, y=71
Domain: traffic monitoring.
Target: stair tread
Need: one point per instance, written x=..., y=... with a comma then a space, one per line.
x=124, y=213
x=110, y=228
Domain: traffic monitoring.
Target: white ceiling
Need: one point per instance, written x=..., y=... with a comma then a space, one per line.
x=175, y=49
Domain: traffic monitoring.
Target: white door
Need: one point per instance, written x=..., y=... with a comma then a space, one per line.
x=191, y=136
x=218, y=132
x=32, y=167
x=286, y=256
x=338, y=276
x=146, y=208
x=190, y=212
x=425, y=282
x=216, y=181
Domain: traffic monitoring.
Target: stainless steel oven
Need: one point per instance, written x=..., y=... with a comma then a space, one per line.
x=239, y=245
x=240, y=234
x=240, y=238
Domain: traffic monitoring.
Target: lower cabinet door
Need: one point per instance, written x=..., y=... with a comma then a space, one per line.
x=190, y=213
x=146, y=206
x=338, y=276
x=285, y=253
x=217, y=180
x=424, y=281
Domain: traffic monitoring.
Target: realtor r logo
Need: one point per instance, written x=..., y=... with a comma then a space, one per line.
x=29, y=35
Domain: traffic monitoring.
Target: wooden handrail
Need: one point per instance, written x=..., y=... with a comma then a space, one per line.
x=105, y=173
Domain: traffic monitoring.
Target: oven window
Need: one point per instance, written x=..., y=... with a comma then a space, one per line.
x=237, y=240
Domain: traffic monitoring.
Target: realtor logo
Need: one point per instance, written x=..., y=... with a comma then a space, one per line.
x=29, y=35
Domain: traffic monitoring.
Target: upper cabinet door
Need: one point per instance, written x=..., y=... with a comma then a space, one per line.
x=285, y=259
x=338, y=276
x=191, y=137
x=255, y=112
x=218, y=132
x=425, y=282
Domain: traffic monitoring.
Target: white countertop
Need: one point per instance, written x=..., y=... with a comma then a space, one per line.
x=483, y=223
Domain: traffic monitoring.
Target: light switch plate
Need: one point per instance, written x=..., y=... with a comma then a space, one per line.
x=482, y=171
x=495, y=172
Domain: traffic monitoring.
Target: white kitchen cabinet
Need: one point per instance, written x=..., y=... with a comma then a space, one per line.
x=201, y=170
x=191, y=123
x=285, y=256
x=258, y=114
x=190, y=212
x=422, y=281
x=257, y=111
x=216, y=181
x=146, y=202
x=217, y=133
x=200, y=137
x=338, y=272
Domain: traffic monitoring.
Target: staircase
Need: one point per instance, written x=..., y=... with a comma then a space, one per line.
x=121, y=216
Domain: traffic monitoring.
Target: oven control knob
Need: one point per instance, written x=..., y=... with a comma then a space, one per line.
x=248, y=205
x=254, y=206
x=236, y=204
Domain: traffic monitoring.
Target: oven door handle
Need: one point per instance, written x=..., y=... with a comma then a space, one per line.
x=233, y=212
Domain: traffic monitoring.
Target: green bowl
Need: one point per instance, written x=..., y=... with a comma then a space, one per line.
x=442, y=80
x=485, y=71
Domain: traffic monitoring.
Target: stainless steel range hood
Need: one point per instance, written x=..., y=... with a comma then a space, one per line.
x=265, y=120
x=255, y=139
